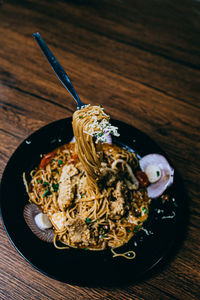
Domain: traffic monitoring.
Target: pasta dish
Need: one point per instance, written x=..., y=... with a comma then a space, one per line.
x=88, y=188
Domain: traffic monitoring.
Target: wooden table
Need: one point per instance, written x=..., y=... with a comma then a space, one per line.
x=141, y=60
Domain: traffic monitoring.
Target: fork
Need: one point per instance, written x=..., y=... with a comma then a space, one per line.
x=58, y=69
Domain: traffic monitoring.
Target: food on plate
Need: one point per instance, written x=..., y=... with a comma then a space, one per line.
x=91, y=194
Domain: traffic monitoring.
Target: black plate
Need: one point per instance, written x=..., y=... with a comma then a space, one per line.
x=83, y=266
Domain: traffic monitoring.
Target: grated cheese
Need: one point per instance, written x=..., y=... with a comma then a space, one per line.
x=99, y=129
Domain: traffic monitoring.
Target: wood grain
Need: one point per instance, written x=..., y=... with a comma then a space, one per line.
x=141, y=60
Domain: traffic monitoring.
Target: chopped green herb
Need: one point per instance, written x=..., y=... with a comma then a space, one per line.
x=100, y=105
x=80, y=117
x=138, y=222
x=145, y=210
x=85, y=248
x=88, y=221
x=82, y=194
x=56, y=170
x=100, y=134
x=128, y=230
x=158, y=173
x=52, y=159
x=46, y=193
x=39, y=181
x=137, y=226
x=45, y=183
x=55, y=186
x=60, y=162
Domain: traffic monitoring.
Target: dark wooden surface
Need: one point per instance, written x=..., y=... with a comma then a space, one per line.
x=141, y=60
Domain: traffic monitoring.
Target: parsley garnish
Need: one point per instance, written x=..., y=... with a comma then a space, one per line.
x=46, y=193
x=60, y=162
x=45, y=184
x=145, y=210
x=128, y=230
x=137, y=226
x=87, y=220
x=80, y=117
x=56, y=170
x=55, y=186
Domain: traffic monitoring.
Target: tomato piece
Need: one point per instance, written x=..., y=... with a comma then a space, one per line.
x=73, y=158
x=46, y=159
x=142, y=178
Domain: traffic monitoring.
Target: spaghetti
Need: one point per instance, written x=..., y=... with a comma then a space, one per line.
x=88, y=189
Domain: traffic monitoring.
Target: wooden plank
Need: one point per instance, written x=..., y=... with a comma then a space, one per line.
x=141, y=61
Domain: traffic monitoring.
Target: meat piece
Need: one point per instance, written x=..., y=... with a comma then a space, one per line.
x=120, y=190
x=117, y=208
x=66, y=187
x=70, y=170
x=78, y=231
x=131, y=186
x=58, y=220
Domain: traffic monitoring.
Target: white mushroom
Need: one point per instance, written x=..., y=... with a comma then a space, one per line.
x=135, y=182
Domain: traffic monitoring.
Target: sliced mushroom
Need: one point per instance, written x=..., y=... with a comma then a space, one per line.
x=38, y=223
x=123, y=163
x=157, y=163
